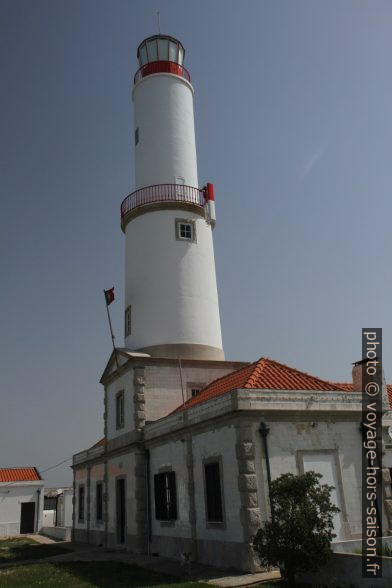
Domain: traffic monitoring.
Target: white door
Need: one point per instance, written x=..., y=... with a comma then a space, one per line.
x=324, y=464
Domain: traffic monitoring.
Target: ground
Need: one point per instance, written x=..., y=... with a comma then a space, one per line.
x=20, y=548
x=86, y=575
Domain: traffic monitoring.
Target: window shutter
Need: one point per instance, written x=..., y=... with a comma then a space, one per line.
x=159, y=492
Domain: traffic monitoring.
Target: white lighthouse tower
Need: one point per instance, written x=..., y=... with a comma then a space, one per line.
x=171, y=299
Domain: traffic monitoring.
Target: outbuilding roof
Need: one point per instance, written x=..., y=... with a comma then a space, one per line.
x=267, y=374
x=19, y=475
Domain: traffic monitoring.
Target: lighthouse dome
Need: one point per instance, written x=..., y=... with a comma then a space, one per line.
x=160, y=48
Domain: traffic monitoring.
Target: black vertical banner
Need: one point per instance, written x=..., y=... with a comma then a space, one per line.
x=372, y=393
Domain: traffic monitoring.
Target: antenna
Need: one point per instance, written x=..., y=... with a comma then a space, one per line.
x=159, y=22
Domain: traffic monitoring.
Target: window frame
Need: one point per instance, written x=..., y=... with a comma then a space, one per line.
x=120, y=401
x=190, y=386
x=81, y=503
x=216, y=459
x=185, y=221
x=166, y=512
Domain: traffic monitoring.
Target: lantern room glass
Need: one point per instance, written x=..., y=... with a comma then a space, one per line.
x=160, y=48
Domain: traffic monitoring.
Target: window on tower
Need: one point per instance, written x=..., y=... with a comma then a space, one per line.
x=128, y=321
x=120, y=410
x=185, y=230
x=137, y=136
x=194, y=388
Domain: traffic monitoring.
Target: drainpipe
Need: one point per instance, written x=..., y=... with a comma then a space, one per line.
x=264, y=430
x=148, y=484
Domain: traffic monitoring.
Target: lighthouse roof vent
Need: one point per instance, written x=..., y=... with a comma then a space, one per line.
x=160, y=48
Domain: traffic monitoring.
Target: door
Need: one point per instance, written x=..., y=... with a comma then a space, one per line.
x=120, y=510
x=324, y=464
x=27, y=517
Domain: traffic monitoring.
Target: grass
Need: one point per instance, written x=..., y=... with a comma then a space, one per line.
x=18, y=548
x=87, y=575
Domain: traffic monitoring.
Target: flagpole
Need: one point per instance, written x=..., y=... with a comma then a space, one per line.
x=111, y=331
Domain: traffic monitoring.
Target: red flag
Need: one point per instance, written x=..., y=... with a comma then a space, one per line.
x=109, y=296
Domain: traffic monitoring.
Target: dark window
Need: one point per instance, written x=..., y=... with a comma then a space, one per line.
x=213, y=492
x=194, y=392
x=81, y=504
x=165, y=496
x=120, y=410
x=186, y=231
x=136, y=136
x=128, y=315
x=99, y=501
x=50, y=503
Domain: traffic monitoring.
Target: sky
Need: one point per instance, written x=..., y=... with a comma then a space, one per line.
x=293, y=127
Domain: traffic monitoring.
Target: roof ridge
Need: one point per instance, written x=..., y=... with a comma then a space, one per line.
x=293, y=369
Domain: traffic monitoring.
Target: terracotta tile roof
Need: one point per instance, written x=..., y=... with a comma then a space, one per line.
x=99, y=443
x=264, y=374
x=19, y=475
x=389, y=390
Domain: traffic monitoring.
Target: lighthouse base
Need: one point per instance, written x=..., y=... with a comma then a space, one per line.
x=185, y=351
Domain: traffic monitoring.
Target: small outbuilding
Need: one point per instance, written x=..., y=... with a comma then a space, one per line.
x=21, y=501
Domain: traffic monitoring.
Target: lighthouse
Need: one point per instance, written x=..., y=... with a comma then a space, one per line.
x=171, y=299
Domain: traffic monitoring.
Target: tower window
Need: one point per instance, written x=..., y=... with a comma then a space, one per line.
x=128, y=321
x=185, y=230
x=120, y=410
x=137, y=136
x=193, y=389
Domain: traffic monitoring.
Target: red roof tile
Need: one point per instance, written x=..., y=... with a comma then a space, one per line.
x=264, y=374
x=99, y=443
x=19, y=475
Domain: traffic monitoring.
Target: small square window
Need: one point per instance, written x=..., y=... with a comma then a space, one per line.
x=136, y=136
x=194, y=388
x=120, y=410
x=128, y=321
x=185, y=230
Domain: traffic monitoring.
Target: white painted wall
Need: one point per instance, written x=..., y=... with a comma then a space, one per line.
x=97, y=473
x=163, y=386
x=11, y=497
x=48, y=518
x=287, y=438
x=122, y=465
x=215, y=443
x=172, y=455
x=170, y=284
x=163, y=113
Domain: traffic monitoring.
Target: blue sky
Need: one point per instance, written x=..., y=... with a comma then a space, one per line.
x=293, y=123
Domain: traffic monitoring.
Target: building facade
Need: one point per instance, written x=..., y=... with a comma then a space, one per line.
x=21, y=501
x=182, y=468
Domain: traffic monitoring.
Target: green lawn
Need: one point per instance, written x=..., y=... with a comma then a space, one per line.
x=87, y=575
x=18, y=548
